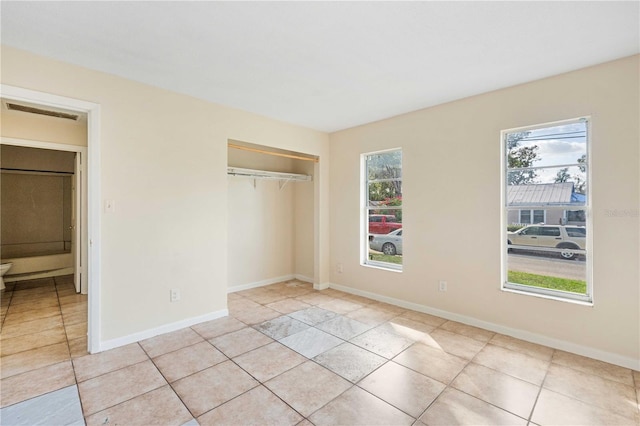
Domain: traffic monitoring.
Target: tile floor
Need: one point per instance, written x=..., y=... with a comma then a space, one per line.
x=290, y=355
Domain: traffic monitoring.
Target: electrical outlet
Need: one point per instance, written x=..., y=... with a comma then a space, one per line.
x=442, y=285
x=175, y=294
x=339, y=268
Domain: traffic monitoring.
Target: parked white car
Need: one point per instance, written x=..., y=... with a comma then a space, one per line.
x=564, y=237
x=389, y=244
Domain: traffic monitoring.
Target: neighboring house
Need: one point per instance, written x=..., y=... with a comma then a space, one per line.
x=526, y=204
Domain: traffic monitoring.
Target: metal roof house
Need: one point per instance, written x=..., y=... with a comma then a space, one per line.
x=526, y=204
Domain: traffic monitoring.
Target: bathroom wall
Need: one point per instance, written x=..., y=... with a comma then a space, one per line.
x=35, y=216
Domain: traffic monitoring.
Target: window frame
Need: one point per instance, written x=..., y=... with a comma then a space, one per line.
x=583, y=299
x=365, y=208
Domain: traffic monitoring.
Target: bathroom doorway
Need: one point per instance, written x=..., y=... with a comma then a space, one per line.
x=42, y=212
x=86, y=201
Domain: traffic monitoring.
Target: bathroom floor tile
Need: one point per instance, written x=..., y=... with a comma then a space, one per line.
x=34, y=359
x=311, y=342
x=218, y=327
x=61, y=407
x=455, y=407
x=212, y=387
x=258, y=406
x=118, y=386
x=78, y=347
x=30, y=327
x=73, y=298
x=350, y=361
x=431, y=362
x=169, y=342
x=188, y=360
x=403, y=388
x=358, y=407
x=241, y=341
x=32, y=341
x=90, y=366
x=33, y=305
x=269, y=361
x=504, y=391
x=280, y=327
x=75, y=318
x=158, y=407
x=36, y=382
x=76, y=331
x=13, y=318
x=307, y=387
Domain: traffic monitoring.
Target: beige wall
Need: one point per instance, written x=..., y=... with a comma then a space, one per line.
x=452, y=183
x=163, y=159
x=22, y=125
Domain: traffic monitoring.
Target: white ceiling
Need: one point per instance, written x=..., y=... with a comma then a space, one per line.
x=327, y=65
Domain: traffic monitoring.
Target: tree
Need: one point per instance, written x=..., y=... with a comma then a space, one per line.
x=580, y=179
x=520, y=157
x=385, y=166
x=563, y=175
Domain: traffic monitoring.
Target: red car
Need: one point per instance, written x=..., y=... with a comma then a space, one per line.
x=383, y=223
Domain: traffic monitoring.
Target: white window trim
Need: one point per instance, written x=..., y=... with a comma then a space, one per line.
x=586, y=299
x=364, y=215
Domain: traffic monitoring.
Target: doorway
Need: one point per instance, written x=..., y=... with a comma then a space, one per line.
x=88, y=207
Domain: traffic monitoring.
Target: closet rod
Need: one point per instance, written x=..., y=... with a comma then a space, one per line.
x=262, y=151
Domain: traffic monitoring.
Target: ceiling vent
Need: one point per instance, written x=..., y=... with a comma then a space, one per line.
x=50, y=113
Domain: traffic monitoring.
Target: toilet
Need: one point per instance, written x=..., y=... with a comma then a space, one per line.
x=4, y=268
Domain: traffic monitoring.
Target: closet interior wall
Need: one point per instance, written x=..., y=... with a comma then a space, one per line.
x=270, y=226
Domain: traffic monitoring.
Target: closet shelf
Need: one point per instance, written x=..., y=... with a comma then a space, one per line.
x=284, y=178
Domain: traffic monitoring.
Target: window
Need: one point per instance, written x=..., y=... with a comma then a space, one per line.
x=382, y=209
x=532, y=216
x=546, y=183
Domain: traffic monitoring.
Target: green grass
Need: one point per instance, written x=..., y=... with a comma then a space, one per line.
x=385, y=258
x=543, y=281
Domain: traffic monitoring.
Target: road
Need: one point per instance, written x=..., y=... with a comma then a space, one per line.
x=546, y=265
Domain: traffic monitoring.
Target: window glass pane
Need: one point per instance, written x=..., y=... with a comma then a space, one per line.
x=546, y=199
x=538, y=216
x=560, y=186
x=564, y=144
x=384, y=209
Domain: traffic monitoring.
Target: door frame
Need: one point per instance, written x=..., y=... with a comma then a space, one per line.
x=91, y=165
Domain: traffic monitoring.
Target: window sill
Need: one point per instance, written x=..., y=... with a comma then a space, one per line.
x=383, y=266
x=548, y=296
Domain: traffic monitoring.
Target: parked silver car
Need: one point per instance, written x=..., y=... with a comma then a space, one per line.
x=389, y=244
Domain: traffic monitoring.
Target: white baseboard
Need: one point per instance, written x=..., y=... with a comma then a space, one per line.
x=540, y=339
x=303, y=278
x=321, y=286
x=167, y=328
